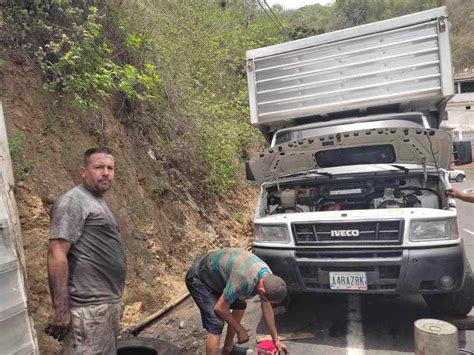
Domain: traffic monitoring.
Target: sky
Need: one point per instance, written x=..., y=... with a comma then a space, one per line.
x=294, y=4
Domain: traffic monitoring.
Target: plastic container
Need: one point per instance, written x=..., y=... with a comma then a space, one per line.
x=266, y=347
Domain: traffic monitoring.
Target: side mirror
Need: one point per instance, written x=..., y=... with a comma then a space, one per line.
x=462, y=152
x=248, y=172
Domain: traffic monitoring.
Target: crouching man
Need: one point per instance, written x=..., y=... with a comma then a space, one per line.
x=220, y=282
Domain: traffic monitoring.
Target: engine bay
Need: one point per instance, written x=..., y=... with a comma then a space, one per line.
x=356, y=194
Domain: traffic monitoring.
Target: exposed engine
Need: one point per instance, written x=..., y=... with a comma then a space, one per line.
x=353, y=195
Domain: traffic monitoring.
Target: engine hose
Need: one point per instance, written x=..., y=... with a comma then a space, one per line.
x=416, y=188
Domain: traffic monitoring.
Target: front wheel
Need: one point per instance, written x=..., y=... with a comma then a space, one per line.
x=456, y=304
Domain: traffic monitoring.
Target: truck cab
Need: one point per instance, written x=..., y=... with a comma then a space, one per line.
x=362, y=210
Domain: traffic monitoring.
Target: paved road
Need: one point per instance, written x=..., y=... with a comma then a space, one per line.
x=466, y=220
x=351, y=324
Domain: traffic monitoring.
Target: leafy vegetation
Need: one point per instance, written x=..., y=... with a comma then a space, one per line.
x=22, y=166
x=200, y=51
x=16, y=145
x=239, y=217
x=70, y=44
x=315, y=19
x=461, y=15
x=178, y=67
x=48, y=127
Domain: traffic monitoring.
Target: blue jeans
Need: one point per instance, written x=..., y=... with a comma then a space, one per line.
x=206, y=300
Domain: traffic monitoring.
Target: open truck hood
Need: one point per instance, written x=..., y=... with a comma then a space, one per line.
x=426, y=147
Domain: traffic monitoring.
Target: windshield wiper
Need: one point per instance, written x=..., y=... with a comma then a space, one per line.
x=307, y=172
x=400, y=167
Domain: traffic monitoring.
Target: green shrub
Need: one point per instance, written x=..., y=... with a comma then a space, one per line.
x=51, y=121
x=209, y=85
x=16, y=146
x=85, y=68
x=77, y=57
x=239, y=217
x=21, y=166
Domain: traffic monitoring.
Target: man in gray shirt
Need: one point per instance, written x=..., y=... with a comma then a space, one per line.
x=86, y=262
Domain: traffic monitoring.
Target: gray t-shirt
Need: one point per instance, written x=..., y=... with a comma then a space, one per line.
x=97, y=266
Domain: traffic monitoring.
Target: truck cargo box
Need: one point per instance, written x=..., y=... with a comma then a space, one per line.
x=397, y=65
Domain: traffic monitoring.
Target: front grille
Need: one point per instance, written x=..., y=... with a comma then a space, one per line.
x=348, y=253
x=377, y=232
x=427, y=286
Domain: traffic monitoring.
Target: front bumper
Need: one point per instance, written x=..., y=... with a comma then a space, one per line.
x=389, y=271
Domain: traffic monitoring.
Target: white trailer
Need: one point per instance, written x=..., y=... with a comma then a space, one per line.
x=397, y=65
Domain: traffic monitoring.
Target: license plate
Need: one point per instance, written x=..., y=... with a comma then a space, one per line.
x=348, y=281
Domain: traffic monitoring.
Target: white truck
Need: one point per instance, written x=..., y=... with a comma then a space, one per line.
x=353, y=184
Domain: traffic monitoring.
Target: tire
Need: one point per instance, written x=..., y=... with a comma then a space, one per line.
x=456, y=304
x=460, y=178
x=145, y=346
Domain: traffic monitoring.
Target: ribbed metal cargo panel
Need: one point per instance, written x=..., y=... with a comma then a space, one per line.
x=17, y=334
x=11, y=294
x=402, y=61
x=7, y=252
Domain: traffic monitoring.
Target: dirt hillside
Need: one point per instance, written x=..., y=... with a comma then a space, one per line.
x=164, y=226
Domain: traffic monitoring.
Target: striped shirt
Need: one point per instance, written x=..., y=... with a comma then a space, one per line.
x=232, y=272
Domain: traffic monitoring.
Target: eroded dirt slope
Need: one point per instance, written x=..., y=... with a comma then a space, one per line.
x=163, y=228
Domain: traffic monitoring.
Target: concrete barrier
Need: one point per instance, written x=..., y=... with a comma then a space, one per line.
x=435, y=337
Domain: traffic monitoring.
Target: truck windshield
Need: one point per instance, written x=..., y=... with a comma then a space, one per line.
x=374, y=154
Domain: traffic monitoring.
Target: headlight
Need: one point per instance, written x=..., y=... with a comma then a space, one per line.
x=278, y=234
x=433, y=230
